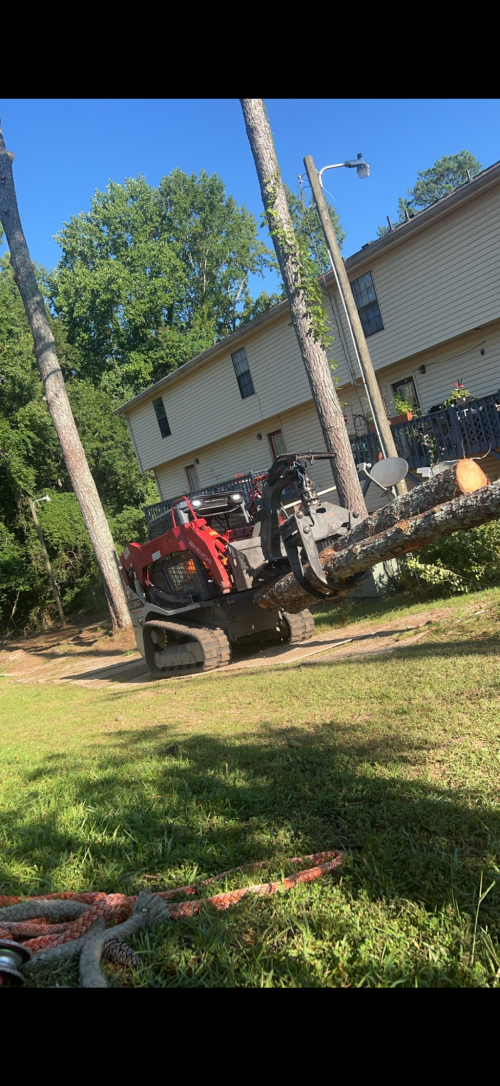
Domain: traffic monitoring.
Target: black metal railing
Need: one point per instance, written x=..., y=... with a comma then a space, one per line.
x=447, y=434
x=239, y=483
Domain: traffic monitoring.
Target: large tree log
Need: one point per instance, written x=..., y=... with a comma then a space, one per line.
x=461, y=478
x=466, y=511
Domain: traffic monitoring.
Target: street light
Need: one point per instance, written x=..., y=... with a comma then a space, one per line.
x=358, y=164
x=363, y=170
x=44, y=499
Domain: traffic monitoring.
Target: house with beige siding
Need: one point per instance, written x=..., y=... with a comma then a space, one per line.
x=428, y=294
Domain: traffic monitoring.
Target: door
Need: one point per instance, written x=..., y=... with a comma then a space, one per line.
x=277, y=443
x=192, y=477
x=407, y=391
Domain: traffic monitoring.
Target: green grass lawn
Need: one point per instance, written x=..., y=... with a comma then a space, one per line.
x=395, y=605
x=394, y=758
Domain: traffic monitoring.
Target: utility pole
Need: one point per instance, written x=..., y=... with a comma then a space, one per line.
x=55, y=589
x=330, y=414
x=358, y=336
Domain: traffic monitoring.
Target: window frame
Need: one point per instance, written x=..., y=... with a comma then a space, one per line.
x=363, y=308
x=162, y=420
x=396, y=385
x=244, y=373
x=270, y=436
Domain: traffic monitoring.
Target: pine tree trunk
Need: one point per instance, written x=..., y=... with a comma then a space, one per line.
x=57, y=396
x=315, y=360
x=466, y=511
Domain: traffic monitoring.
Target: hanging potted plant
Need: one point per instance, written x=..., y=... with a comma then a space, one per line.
x=404, y=410
x=459, y=396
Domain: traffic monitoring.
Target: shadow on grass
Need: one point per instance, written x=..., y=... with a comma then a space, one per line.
x=159, y=807
x=143, y=810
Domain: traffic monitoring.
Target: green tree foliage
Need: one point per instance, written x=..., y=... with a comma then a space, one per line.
x=309, y=232
x=444, y=176
x=260, y=304
x=447, y=174
x=150, y=276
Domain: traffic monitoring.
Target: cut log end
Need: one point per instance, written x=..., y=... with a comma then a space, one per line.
x=470, y=476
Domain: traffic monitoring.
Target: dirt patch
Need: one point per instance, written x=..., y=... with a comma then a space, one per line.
x=91, y=656
x=73, y=647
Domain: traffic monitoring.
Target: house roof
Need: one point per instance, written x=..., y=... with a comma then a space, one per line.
x=398, y=235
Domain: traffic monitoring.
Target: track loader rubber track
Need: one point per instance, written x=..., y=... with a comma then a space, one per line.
x=210, y=648
x=301, y=626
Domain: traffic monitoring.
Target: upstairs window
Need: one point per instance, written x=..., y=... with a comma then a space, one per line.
x=243, y=375
x=161, y=415
x=366, y=304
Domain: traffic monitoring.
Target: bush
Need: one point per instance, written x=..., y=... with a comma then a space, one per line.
x=129, y=526
x=16, y=574
x=460, y=563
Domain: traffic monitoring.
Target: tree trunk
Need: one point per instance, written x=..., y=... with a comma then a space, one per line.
x=467, y=511
x=57, y=397
x=315, y=360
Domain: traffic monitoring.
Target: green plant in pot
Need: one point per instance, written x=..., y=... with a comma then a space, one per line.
x=403, y=406
x=459, y=393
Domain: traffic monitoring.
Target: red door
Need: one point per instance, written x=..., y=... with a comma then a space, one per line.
x=192, y=477
x=277, y=443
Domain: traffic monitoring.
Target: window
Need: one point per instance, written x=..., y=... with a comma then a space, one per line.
x=366, y=304
x=277, y=443
x=243, y=375
x=192, y=477
x=160, y=413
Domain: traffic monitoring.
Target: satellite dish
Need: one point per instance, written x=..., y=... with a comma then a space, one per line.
x=390, y=471
x=442, y=466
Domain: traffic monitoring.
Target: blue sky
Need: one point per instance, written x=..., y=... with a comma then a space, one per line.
x=65, y=149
